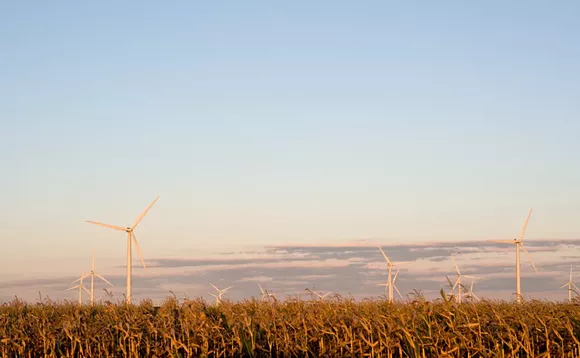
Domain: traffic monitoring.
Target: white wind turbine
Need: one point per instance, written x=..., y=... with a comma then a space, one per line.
x=390, y=285
x=519, y=244
x=458, y=281
x=130, y=237
x=320, y=296
x=220, y=293
x=92, y=273
x=470, y=295
x=265, y=293
x=571, y=286
x=80, y=287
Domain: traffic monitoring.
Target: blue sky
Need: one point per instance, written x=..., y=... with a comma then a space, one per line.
x=262, y=124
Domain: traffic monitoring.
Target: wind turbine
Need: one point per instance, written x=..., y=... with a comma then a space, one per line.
x=390, y=282
x=470, y=294
x=265, y=293
x=92, y=273
x=458, y=281
x=80, y=288
x=320, y=296
x=519, y=244
x=130, y=237
x=391, y=285
x=571, y=286
x=218, y=297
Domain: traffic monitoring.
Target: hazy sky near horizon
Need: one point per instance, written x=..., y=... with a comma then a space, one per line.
x=348, y=270
x=300, y=122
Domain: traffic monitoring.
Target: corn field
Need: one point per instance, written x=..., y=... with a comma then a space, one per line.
x=337, y=327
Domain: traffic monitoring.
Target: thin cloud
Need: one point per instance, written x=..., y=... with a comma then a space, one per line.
x=347, y=270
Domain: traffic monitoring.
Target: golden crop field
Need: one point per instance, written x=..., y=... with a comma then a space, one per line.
x=336, y=327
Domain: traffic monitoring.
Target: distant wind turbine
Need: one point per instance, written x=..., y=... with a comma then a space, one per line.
x=519, y=244
x=571, y=286
x=458, y=281
x=220, y=293
x=390, y=285
x=320, y=296
x=470, y=295
x=80, y=287
x=265, y=293
x=130, y=237
x=92, y=273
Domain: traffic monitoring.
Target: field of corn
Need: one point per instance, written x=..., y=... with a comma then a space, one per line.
x=293, y=328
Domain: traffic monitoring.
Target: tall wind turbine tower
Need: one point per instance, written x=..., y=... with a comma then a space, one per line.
x=390, y=285
x=92, y=273
x=130, y=238
x=458, y=282
x=519, y=244
x=571, y=286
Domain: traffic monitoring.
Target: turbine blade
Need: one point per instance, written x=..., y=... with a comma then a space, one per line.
x=456, y=267
x=398, y=292
x=502, y=241
x=395, y=278
x=564, y=285
x=212, y=285
x=468, y=276
x=102, y=278
x=525, y=225
x=143, y=213
x=82, y=277
x=87, y=291
x=448, y=280
x=138, y=249
x=93, y=263
x=227, y=288
x=385, y=255
x=72, y=288
x=475, y=296
x=403, y=263
x=114, y=227
x=529, y=256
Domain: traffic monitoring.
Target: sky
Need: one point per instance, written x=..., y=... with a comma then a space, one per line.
x=354, y=271
x=265, y=125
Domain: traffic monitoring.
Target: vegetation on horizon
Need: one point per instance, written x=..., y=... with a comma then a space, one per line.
x=316, y=328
